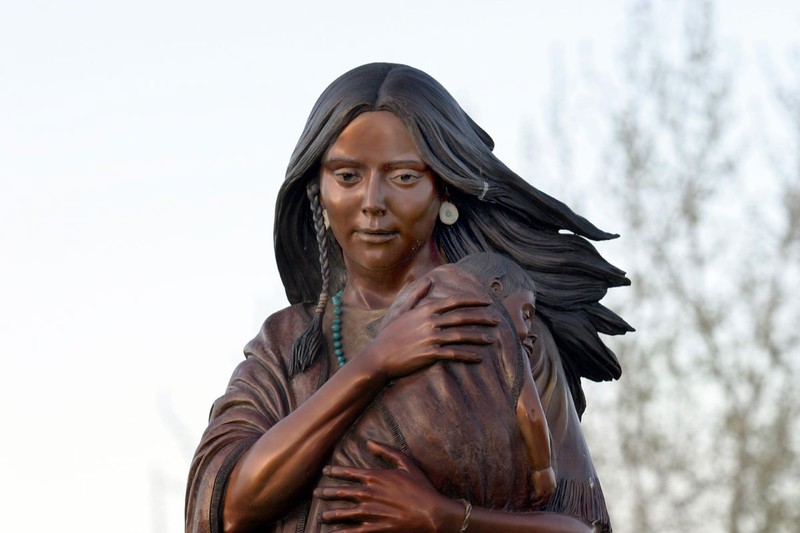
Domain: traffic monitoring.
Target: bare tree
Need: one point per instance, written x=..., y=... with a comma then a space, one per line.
x=701, y=433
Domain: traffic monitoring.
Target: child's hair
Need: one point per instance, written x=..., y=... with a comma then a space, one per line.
x=487, y=267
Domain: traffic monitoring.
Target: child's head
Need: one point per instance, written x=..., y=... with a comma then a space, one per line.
x=511, y=284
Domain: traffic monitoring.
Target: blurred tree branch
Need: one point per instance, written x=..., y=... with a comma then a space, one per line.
x=702, y=432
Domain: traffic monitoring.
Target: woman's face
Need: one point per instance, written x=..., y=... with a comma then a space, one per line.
x=380, y=196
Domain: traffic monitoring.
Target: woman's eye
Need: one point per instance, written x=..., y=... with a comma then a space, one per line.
x=346, y=177
x=406, y=179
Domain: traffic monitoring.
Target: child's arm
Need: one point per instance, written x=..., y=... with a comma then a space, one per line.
x=536, y=434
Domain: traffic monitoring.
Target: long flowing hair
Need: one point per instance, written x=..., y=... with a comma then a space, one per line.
x=499, y=212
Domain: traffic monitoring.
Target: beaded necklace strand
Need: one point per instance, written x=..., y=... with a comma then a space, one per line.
x=337, y=328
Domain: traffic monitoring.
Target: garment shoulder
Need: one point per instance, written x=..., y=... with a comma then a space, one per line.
x=273, y=343
x=265, y=369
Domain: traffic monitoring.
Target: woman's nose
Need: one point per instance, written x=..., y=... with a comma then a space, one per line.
x=374, y=199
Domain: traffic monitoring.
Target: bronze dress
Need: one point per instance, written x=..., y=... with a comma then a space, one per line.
x=456, y=421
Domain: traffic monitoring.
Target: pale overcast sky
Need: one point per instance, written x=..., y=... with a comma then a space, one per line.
x=141, y=148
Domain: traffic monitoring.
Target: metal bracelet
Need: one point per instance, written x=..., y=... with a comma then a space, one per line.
x=467, y=512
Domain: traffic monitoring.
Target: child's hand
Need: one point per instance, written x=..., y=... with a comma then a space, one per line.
x=544, y=485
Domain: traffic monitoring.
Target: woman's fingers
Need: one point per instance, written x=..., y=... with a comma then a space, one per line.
x=394, y=499
x=463, y=335
x=346, y=493
x=347, y=473
x=458, y=301
x=448, y=329
x=363, y=476
x=344, y=514
x=360, y=520
x=468, y=316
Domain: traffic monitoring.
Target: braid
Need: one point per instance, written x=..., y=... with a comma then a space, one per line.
x=311, y=341
x=322, y=245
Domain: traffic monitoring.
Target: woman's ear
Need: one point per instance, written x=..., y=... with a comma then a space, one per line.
x=441, y=189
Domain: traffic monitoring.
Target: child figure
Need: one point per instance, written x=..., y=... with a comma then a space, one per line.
x=578, y=490
x=511, y=284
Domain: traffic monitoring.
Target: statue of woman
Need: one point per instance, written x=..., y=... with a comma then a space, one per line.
x=389, y=180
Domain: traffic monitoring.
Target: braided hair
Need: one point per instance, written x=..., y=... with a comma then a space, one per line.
x=311, y=341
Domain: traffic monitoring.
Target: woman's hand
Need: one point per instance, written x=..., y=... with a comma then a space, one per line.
x=402, y=499
x=452, y=328
x=397, y=499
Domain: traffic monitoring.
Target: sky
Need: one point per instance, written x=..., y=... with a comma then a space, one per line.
x=141, y=148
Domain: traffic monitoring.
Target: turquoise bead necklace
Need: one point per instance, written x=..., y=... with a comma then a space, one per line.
x=337, y=328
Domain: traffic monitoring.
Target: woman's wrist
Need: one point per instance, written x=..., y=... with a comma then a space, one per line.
x=371, y=369
x=449, y=517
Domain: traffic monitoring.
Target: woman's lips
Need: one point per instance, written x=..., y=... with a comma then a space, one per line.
x=375, y=236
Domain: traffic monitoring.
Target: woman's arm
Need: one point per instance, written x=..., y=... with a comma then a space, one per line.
x=402, y=499
x=270, y=477
x=283, y=463
x=487, y=521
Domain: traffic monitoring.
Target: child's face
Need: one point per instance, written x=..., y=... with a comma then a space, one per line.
x=521, y=306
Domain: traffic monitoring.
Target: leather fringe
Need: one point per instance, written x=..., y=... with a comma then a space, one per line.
x=583, y=500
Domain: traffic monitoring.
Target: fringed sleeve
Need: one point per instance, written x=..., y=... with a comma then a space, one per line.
x=578, y=492
x=259, y=394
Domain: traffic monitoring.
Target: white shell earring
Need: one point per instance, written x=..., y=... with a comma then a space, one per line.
x=325, y=219
x=448, y=213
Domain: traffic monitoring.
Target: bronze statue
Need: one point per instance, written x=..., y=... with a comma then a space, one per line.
x=391, y=179
x=470, y=428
